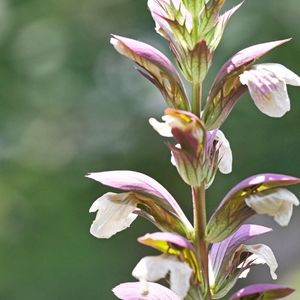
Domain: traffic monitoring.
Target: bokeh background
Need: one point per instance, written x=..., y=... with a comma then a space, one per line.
x=70, y=105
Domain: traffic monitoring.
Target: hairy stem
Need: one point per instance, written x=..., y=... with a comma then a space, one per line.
x=197, y=95
x=199, y=207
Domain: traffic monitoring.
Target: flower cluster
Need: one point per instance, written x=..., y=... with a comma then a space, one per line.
x=205, y=259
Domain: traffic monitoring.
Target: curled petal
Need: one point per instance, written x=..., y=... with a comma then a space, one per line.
x=277, y=203
x=154, y=268
x=115, y=213
x=138, y=291
x=163, y=128
x=262, y=291
x=234, y=210
x=267, y=87
x=225, y=153
x=261, y=254
x=157, y=68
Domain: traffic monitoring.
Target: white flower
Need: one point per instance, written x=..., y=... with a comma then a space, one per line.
x=115, y=213
x=267, y=87
x=277, y=203
x=222, y=144
x=261, y=254
x=154, y=268
x=225, y=153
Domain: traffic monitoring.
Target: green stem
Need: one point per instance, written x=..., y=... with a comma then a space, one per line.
x=197, y=95
x=199, y=210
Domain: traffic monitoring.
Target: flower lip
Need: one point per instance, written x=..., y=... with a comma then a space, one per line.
x=115, y=213
x=267, y=87
x=154, y=268
x=136, y=291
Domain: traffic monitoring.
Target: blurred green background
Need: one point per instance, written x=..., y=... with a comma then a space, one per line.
x=70, y=105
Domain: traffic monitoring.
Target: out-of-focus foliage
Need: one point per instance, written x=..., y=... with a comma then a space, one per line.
x=70, y=104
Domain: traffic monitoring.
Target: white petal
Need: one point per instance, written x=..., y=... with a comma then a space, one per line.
x=277, y=203
x=282, y=73
x=154, y=268
x=268, y=91
x=163, y=128
x=115, y=213
x=262, y=254
x=225, y=153
x=173, y=161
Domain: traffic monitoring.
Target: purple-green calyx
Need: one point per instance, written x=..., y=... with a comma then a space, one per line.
x=202, y=259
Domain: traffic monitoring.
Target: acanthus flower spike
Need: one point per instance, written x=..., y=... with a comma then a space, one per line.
x=203, y=260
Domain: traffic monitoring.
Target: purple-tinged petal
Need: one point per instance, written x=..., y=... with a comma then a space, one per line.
x=154, y=239
x=227, y=88
x=262, y=182
x=262, y=291
x=156, y=67
x=247, y=56
x=135, y=181
x=143, y=184
x=136, y=291
x=222, y=252
x=233, y=210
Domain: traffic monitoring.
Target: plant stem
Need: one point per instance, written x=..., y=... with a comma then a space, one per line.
x=197, y=95
x=199, y=210
x=199, y=207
